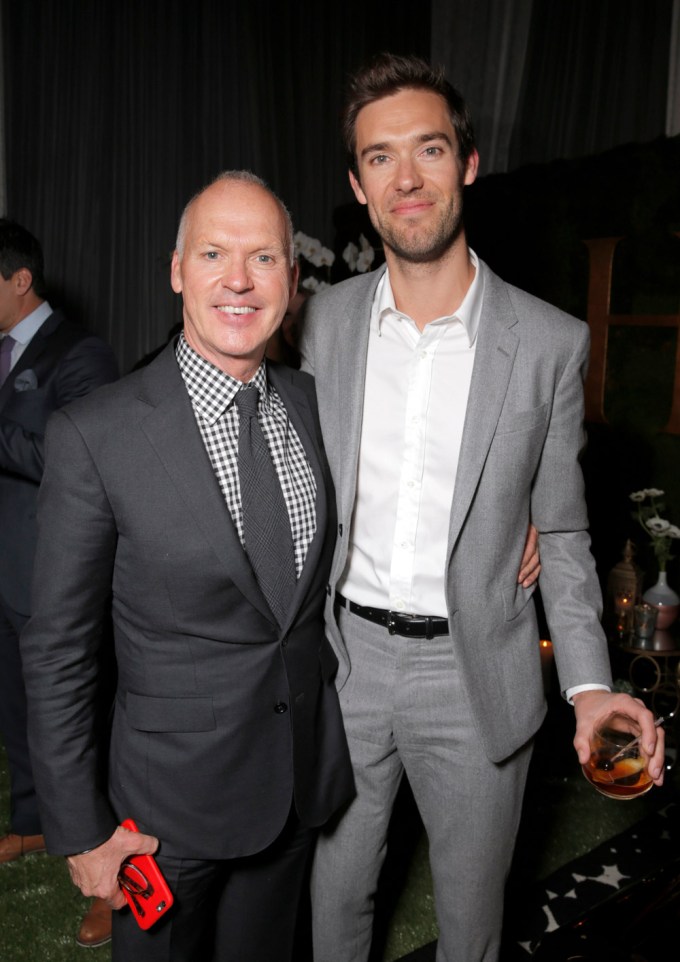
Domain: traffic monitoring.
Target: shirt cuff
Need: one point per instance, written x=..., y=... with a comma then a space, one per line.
x=570, y=692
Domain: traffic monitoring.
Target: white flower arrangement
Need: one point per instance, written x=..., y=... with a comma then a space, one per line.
x=360, y=258
x=313, y=251
x=660, y=530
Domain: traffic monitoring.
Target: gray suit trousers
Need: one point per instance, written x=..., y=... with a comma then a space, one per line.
x=406, y=710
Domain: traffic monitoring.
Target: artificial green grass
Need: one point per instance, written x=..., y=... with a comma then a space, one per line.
x=40, y=909
x=563, y=818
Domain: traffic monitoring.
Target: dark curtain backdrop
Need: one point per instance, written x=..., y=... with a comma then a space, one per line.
x=118, y=111
x=595, y=76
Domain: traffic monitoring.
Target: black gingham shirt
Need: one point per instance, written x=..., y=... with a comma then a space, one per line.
x=212, y=394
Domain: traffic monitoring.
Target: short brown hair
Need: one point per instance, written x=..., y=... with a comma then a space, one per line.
x=389, y=73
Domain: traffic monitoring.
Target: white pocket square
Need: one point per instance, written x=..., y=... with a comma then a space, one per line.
x=26, y=381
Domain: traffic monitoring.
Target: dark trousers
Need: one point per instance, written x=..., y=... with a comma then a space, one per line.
x=235, y=910
x=24, y=817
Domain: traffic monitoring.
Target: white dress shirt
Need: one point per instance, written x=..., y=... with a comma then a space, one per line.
x=416, y=395
x=25, y=330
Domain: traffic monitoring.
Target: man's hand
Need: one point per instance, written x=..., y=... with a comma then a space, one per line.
x=530, y=565
x=591, y=706
x=96, y=872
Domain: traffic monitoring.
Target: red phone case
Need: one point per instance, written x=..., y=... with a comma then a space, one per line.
x=152, y=901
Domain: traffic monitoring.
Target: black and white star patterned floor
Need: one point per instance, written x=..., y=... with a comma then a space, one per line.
x=618, y=903
x=629, y=864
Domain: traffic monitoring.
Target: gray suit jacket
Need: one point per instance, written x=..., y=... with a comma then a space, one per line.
x=519, y=461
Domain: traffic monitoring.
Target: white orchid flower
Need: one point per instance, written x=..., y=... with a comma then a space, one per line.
x=327, y=257
x=350, y=254
x=364, y=261
x=301, y=242
x=314, y=252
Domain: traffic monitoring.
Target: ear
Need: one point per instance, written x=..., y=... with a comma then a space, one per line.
x=471, y=168
x=22, y=280
x=176, y=273
x=294, y=278
x=356, y=187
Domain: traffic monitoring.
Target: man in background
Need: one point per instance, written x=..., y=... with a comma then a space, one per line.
x=197, y=489
x=45, y=362
x=451, y=405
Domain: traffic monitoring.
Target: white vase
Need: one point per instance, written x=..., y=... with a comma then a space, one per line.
x=665, y=600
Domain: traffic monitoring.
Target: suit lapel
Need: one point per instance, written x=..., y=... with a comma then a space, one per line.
x=351, y=350
x=34, y=349
x=494, y=358
x=171, y=429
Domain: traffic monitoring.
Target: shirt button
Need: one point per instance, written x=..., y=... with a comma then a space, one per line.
x=399, y=604
x=280, y=707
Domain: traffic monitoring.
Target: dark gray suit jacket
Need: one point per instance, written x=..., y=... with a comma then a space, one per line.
x=62, y=362
x=222, y=718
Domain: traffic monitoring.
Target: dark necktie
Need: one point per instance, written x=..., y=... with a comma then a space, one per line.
x=266, y=525
x=6, y=345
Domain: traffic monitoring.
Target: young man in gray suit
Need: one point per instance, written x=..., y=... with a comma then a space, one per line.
x=451, y=407
x=227, y=743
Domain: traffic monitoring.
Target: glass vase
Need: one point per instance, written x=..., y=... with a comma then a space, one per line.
x=665, y=600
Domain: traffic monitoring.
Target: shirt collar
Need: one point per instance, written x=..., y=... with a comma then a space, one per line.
x=468, y=314
x=27, y=327
x=210, y=389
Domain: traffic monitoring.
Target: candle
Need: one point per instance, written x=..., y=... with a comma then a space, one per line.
x=546, y=650
x=624, y=603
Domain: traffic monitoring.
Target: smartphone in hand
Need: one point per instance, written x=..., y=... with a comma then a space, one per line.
x=143, y=885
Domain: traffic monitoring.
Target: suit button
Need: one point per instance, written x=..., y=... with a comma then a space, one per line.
x=284, y=642
x=280, y=707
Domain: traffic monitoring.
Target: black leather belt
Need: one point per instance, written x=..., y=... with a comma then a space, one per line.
x=411, y=626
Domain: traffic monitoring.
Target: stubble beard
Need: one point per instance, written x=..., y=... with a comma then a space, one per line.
x=426, y=245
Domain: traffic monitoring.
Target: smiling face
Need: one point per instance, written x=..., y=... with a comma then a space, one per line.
x=234, y=275
x=411, y=175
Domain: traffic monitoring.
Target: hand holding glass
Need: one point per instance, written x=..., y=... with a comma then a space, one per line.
x=617, y=766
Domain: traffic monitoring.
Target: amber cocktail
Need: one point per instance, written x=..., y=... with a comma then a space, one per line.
x=617, y=766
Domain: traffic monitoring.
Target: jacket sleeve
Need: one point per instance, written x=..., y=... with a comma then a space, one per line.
x=63, y=641
x=89, y=364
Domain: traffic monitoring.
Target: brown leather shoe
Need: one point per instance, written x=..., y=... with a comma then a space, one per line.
x=95, y=929
x=14, y=846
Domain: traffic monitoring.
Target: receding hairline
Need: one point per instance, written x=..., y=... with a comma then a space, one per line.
x=237, y=177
